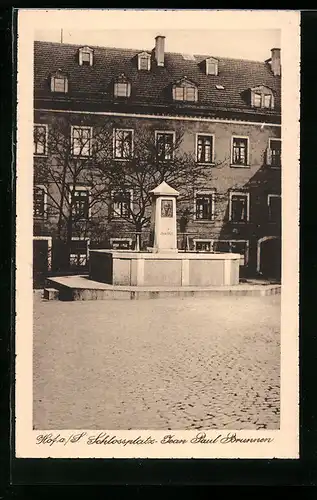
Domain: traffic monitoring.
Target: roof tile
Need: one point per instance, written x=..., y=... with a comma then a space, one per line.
x=152, y=87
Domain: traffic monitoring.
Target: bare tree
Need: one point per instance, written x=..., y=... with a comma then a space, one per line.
x=144, y=165
x=75, y=192
x=101, y=176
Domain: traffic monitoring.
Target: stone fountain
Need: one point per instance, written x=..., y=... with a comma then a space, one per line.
x=162, y=265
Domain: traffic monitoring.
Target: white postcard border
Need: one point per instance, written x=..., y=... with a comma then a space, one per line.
x=285, y=442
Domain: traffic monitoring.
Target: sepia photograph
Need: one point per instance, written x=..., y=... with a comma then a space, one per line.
x=157, y=241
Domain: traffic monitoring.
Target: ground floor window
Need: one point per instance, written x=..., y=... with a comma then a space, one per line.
x=203, y=245
x=274, y=207
x=79, y=252
x=122, y=204
x=39, y=201
x=204, y=205
x=239, y=206
x=121, y=243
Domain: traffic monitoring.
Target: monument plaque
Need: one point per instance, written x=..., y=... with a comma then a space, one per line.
x=166, y=208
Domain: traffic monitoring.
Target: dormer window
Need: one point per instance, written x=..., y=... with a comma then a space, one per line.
x=262, y=97
x=185, y=90
x=122, y=87
x=144, y=61
x=211, y=66
x=85, y=56
x=59, y=83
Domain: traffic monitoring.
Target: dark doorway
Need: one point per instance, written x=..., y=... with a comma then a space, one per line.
x=270, y=258
x=40, y=262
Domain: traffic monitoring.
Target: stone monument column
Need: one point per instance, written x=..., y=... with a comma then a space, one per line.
x=163, y=224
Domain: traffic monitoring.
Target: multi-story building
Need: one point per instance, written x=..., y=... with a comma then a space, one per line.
x=227, y=113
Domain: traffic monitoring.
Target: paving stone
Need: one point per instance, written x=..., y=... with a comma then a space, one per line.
x=182, y=363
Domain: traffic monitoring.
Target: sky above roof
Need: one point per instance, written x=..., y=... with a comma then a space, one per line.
x=253, y=44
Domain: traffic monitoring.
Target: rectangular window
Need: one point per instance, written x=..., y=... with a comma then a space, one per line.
x=178, y=93
x=257, y=100
x=122, y=89
x=121, y=243
x=39, y=201
x=123, y=144
x=185, y=94
x=85, y=58
x=40, y=140
x=81, y=141
x=239, y=207
x=121, y=204
x=267, y=101
x=204, y=148
x=204, y=206
x=79, y=253
x=222, y=246
x=275, y=149
x=190, y=94
x=80, y=203
x=239, y=151
x=234, y=246
x=165, y=145
x=274, y=206
x=203, y=245
x=260, y=99
x=144, y=63
x=211, y=67
x=59, y=84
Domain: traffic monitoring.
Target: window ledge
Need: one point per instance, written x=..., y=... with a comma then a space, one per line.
x=204, y=221
x=263, y=108
x=40, y=156
x=207, y=164
x=233, y=165
x=239, y=222
x=123, y=159
x=120, y=219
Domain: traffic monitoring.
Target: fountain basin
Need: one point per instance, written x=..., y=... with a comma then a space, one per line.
x=121, y=267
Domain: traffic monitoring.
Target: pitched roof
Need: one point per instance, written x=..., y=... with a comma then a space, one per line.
x=164, y=189
x=154, y=86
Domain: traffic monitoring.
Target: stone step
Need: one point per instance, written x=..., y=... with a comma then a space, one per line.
x=117, y=294
x=51, y=294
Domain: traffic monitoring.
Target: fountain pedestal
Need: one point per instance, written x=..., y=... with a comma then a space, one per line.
x=163, y=220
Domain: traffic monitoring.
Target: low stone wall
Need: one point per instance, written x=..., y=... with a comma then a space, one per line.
x=156, y=269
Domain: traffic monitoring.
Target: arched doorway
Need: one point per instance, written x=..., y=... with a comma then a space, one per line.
x=269, y=257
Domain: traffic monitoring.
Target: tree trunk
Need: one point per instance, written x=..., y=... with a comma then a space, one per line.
x=138, y=238
x=69, y=239
x=61, y=207
x=138, y=242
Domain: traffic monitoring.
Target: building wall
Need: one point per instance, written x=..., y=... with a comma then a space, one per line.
x=257, y=178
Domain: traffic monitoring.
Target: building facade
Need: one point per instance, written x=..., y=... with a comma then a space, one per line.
x=100, y=113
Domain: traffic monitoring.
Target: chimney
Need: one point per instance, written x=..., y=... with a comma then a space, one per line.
x=159, y=50
x=276, y=62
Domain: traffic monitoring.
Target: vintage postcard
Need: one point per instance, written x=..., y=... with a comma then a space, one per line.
x=157, y=234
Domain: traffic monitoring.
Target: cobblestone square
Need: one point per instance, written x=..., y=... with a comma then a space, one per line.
x=202, y=363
